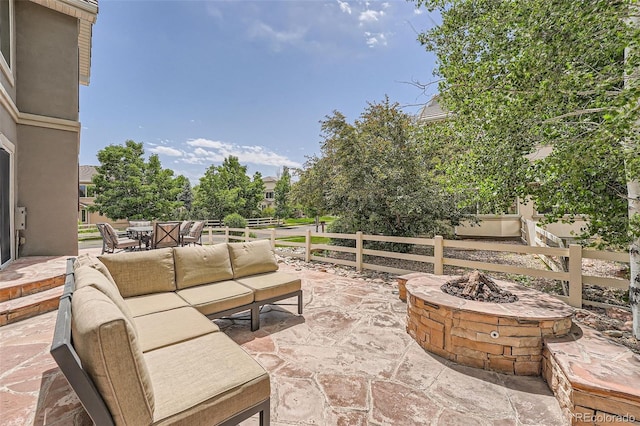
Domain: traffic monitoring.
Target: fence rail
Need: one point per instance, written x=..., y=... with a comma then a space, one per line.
x=573, y=254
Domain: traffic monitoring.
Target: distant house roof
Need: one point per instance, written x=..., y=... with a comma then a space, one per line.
x=86, y=11
x=85, y=173
x=433, y=111
x=269, y=179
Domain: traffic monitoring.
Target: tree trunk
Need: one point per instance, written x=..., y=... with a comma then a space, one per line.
x=633, y=192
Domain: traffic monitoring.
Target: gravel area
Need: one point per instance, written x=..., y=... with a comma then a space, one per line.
x=614, y=322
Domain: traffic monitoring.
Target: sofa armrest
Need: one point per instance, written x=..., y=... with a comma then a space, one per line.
x=66, y=357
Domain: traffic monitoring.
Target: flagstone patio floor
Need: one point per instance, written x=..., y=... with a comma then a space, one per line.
x=346, y=361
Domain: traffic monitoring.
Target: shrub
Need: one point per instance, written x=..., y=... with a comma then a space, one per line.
x=268, y=212
x=234, y=220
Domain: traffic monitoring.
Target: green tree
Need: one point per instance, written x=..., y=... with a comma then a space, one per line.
x=283, y=207
x=524, y=74
x=376, y=175
x=227, y=189
x=309, y=191
x=127, y=187
x=185, y=196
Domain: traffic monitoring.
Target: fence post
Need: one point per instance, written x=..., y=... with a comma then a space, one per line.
x=246, y=234
x=210, y=234
x=226, y=234
x=307, y=246
x=438, y=255
x=273, y=238
x=359, y=251
x=575, y=275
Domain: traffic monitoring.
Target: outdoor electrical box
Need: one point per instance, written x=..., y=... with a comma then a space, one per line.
x=21, y=218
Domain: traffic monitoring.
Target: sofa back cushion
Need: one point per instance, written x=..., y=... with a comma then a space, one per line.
x=109, y=351
x=87, y=259
x=142, y=272
x=250, y=258
x=201, y=265
x=87, y=276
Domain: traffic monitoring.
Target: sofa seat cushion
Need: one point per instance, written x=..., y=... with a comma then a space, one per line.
x=217, y=297
x=174, y=326
x=254, y=257
x=110, y=353
x=156, y=302
x=271, y=284
x=88, y=276
x=87, y=259
x=142, y=272
x=201, y=265
x=204, y=381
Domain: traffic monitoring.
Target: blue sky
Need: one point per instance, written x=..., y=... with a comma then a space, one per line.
x=196, y=81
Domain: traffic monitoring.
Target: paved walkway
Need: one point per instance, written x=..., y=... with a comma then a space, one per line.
x=346, y=361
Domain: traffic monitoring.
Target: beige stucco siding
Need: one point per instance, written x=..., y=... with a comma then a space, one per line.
x=47, y=62
x=47, y=182
x=7, y=125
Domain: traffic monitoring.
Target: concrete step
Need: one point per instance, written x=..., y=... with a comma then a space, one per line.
x=21, y=308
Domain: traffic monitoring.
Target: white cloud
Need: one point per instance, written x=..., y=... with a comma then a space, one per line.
x=375, y=39
x=370, y=16
x=166, y=150
x=344, y=6
x=277, y=39
x=207, y=143
x=208, y=151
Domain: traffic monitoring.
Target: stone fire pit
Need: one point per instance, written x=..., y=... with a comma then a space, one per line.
x=503, y=337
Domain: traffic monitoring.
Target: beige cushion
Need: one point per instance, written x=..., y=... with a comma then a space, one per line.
x=169, y=327
x=87, y=276
x=254, y=257
x=204, y=381
x=109, y=351
x=156, y=302
x=202, y=264
x=217, y=297
x=87, y=259
x=142, y=272
x=271, y=284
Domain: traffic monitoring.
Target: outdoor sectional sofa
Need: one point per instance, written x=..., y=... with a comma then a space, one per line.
x=134, y=338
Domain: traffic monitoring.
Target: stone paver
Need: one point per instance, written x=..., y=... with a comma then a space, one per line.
x=347, y=361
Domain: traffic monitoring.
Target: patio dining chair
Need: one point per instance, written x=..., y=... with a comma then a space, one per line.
x=112, y=242
x=195, y=234
x=165, y=234
x=185, y=227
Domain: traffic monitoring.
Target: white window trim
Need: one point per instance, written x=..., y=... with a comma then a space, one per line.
x=6, y=69
x=8, y=146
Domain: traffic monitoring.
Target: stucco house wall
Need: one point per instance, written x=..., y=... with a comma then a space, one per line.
x=39, y=104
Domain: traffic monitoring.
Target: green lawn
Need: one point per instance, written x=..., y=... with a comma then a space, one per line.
x=308, y=220
x=314, y=240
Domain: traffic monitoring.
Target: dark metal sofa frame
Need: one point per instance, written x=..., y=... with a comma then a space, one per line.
x=67, y=359
x=255, y=308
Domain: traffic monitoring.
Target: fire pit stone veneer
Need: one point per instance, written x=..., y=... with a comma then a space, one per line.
x=503, y=337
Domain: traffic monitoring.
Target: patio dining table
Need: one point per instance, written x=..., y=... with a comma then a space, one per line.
x=142, y=234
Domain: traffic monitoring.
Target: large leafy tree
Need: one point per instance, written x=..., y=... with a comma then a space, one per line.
x=308, y=192
x=128, y=187
x=524, y=74
x=377, y=176
x=283, y=188
x=227, y=189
